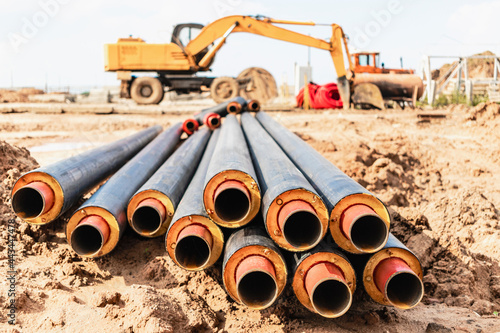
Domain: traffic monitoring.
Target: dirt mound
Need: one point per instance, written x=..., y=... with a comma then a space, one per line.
x=478, y=68
x=385, y=173
x=456, y=238
x=450, y=225
x=484, y=112
x=21, y=95
x=13, y=162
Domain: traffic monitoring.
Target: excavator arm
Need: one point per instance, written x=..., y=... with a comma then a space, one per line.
x=263, y=26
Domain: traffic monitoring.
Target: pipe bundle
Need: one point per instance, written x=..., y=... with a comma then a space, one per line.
x=250, y=196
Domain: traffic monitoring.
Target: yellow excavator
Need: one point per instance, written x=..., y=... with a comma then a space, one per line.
x=193, y=48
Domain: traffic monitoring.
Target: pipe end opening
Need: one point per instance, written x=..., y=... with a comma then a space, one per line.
x=192, y=251
x=257, y=289
x=369, y=233
x=404, y=290
x=28, y=203
x=215, y=122
x=331, y=298
x=254, y=106
x=232, y=204
x=146, y=220
x=86, y=240
x=302, y=229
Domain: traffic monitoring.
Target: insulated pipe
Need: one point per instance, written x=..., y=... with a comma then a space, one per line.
x=193, y=240
x=151, y=208
x=393, y=276
x=190, y=125
x=194, y=246
x=254, y=271
x=253, y=105
x=359, y=222
x=231, y=193
x=209, y=116
x=42, y=195
x=236, y=105
x=287, y=195
x=33, y=200
x=362, y=226
x=323, y=280
x=222, y=109
x=110, y=201
x=90, y=235
x=148, y=217
x=211, y=119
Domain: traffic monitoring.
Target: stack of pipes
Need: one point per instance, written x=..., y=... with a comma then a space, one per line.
x=290, y=214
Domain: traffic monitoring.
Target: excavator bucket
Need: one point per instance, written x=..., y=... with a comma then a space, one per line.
x=368, y=94
x=344, y=91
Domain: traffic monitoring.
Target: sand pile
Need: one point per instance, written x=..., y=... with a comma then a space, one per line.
x=15, y=96
x=456, y=238
x=484, y=112
x=137, y=288
x=478, y=68
x=13, y=162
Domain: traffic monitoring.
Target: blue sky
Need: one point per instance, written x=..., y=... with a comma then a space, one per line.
x=61, y=41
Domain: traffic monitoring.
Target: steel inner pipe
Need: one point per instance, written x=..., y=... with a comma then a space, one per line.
x=323, y=279
x=353, y=229
x=256, y=283
x=110, y=201
x=254, y=271
x=193, y=240
x=212, y=120
x=90, y=235
x=42, y=195
x=194, y=247
x=151, y=208
x=363, y=227
x=33, y=200
x=329, y=293
x=190, y=125
x=393, y=275
x=222, y=109
x=287, y=195
x=231, y=193
x=148, y=217
x=253, y=105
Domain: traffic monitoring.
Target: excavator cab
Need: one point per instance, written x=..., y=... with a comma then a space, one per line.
x=186, y=32
x=367, y=62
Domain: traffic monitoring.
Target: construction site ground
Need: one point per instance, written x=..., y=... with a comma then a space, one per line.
x=438, y=171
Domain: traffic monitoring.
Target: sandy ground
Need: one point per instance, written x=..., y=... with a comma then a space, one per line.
x=439, y=177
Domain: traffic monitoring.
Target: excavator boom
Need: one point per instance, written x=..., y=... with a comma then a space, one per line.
x=176, y=62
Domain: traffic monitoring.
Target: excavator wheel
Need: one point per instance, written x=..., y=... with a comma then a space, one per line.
x=146, y=90
x=261, y=86
x=367, y=95
x=223, y=88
